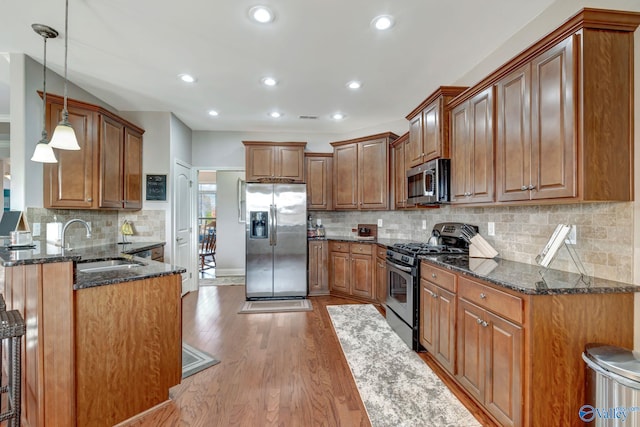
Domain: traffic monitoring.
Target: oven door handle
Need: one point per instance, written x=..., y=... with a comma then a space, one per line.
x=400, y=267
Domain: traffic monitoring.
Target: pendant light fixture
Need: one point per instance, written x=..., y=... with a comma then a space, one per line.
x=43, y=152
x=64, y=138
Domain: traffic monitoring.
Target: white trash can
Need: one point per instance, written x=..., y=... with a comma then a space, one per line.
x=612, y=387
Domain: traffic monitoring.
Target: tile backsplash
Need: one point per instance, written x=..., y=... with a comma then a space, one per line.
x=148, y=225
x=604, y=231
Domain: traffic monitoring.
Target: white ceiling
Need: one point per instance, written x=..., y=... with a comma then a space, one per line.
x=128, y=53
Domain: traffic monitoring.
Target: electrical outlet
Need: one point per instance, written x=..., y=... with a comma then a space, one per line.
x=572, y=238
x=36, y=229
x=318, y=222
x=379, y=222
x=424, y=224
x=491, y=229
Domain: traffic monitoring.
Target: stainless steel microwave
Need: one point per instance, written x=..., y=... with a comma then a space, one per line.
x=429, y=183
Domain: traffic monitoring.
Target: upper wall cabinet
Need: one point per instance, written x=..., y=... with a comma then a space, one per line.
x=563, y=115
x=319, y=172
x=399, y=173
x=267, y=161
x=429, y=127
x=472, y=149
x=106, y=173
x=361, y=172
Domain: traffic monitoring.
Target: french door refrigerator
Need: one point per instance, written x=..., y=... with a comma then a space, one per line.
x=276, y=241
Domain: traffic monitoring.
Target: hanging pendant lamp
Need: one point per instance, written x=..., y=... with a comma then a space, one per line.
x=64, y=138
x=43, y=152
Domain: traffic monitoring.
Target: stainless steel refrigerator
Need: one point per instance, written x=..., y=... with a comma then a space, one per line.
x=276, y=237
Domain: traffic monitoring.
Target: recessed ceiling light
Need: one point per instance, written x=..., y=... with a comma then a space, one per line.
x=337, y=116
x=261, y=14
x=213, y=113
x=354, y=84
x=382, y=22
x=275, y=114
x=269, y=81
x=187, y=78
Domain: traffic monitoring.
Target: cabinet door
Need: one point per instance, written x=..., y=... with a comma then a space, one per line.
x=428, y=316
x=289, y=163
x=481, y=134
x=340, y=272
x=132, y=184
x=414, y=143
x=399, y=176
x=70, y=183
x=513, y=136
x=471, y=349
x=319, y=182
x=362, y=275
x=111, y=164
x=345, y=174
x=554, y=153
x=503, y=364
x=446, y=329
x=381, y=281
x=317, y=268
x=373, y=174
x=461, y=150
x=260, y=162
x=432, y=135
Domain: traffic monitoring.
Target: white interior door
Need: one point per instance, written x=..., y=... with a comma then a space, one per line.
x=183, y=230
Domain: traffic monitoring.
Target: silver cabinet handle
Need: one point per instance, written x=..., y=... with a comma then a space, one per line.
x=434, y=295
x=90, y=199
x=532, y=187
x=434, y=275
x=479, y=321
x=524, y=188
x=483, y=296
x=484, y=323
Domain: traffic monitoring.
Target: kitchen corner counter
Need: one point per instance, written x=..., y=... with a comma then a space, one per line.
x=526, y=278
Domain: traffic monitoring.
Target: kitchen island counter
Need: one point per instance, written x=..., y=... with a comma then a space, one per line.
x=527, y=278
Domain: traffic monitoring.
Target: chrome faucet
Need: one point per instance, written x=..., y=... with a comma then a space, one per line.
x=68, y=223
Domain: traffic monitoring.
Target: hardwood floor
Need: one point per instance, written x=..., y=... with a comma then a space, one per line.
x=284, y=369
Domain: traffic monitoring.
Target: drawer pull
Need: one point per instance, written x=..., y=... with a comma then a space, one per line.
x=484, y=323
x=483, y=295
x=479, y=321
x=434, y=295
x=434, y=275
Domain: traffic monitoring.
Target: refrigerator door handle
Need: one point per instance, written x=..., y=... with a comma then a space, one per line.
x=274, y=234
x=272, y=239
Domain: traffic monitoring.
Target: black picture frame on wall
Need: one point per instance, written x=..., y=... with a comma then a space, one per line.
x=156, y=187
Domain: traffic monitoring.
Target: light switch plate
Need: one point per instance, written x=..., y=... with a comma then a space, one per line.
x=379, y=222
x=424, y=224
x=36, y=229
x=491, y=229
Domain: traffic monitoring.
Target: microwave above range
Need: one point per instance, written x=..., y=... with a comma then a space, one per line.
x=429, y=183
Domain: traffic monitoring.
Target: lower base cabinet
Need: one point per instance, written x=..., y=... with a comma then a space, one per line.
x=381, y=275
x=318, y=267
x=518, y=355
x=351, y=270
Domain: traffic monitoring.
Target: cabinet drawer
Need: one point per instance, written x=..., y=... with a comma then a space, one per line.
x=381, y=252
x=504, y=304
x=361, y=248
x=443, y=278
x=157, y=253
x=339, y=247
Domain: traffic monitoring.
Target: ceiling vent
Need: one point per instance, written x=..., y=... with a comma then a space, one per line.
x=308, y=117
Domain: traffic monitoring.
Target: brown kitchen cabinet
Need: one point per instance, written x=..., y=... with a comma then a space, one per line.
x=109, y=159
x=490, y=351
x=562, y=116
x=438, y=314
x=472, y=173
x=399, y=172
x=274, y=161
x=351, y=270
x=429, y=127
x=318, y=267
x=319, y=177
x=381, y=275
x=361, y=172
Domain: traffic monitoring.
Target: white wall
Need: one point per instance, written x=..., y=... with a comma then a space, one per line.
x=230, y=256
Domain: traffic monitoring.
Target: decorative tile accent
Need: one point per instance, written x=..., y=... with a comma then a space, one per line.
x=396, y=386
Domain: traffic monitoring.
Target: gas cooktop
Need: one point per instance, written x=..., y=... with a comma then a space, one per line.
x=427, y=249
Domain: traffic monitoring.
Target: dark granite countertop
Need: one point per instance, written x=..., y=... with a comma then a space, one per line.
x=526, y=278
x=353, y=239
x=43, y=253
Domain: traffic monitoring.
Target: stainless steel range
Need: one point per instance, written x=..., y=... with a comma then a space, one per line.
x=403, y=277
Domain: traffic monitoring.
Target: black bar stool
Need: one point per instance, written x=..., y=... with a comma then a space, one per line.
x=12, y=328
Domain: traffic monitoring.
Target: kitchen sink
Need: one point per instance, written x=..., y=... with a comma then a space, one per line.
x=107, y=265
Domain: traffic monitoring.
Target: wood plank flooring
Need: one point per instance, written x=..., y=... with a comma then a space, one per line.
x=283, y=369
